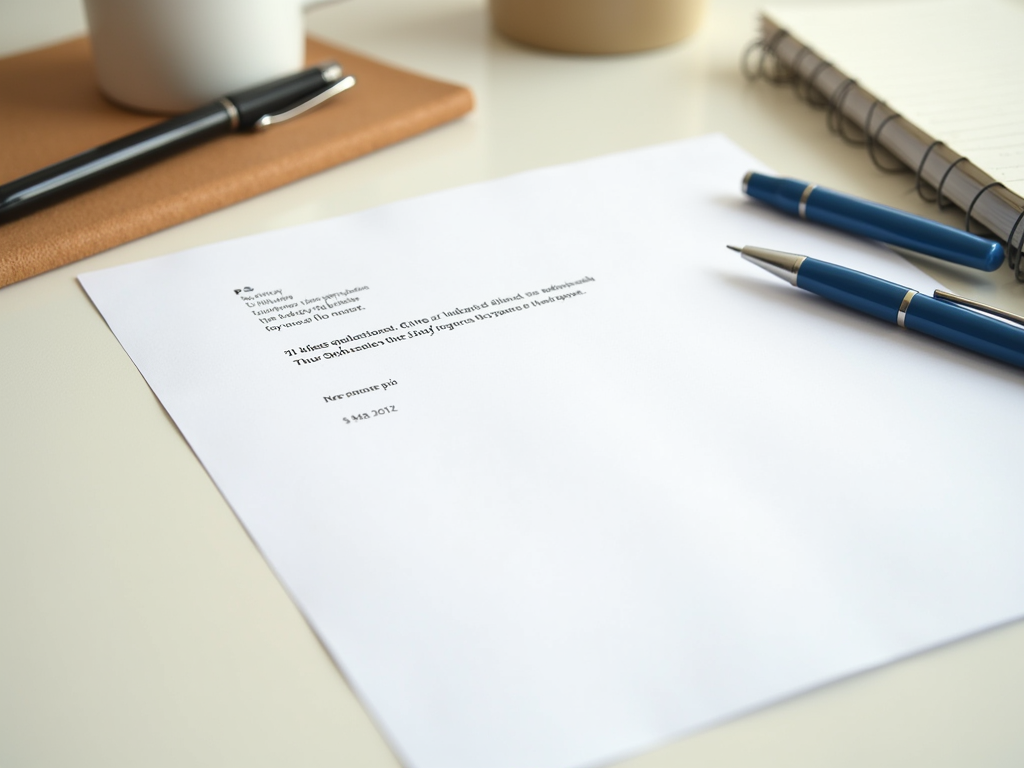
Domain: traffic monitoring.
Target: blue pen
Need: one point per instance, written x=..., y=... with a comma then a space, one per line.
x=943, y=318
x=878, y=222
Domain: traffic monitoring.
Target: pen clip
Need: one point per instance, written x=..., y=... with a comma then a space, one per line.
x=268, y=120
x=962, y=301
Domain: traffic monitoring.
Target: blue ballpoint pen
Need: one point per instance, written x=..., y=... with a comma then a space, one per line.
x=943, y=318
x=878, y=222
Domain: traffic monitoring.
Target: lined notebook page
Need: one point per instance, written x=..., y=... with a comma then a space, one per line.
x=950, y=67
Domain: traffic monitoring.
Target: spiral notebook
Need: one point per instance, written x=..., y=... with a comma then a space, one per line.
x=928, y=87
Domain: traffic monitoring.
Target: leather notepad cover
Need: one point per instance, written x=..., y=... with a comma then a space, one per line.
x=50, y=109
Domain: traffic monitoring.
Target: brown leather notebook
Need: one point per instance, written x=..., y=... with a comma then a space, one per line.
x=50, y=109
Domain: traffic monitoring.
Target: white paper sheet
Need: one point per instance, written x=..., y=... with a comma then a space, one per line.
x=642, y=487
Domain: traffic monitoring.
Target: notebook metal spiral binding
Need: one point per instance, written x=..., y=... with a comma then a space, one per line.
x=808, y=75
x=763, y=71
x=835, y=120
x=982, y=191
x=940, y=201
x=875, y=142
x=1013, y=255
x=917, y=175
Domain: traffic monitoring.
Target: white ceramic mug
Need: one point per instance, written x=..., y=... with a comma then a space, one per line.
x=174, y=55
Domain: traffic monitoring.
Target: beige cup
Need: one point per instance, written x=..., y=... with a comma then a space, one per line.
x=597, y=26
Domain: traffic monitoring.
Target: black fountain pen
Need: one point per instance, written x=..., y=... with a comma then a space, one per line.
x=254, y=108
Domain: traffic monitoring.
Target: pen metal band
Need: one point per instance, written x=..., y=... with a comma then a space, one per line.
x=802, y=207
x=901, y=316
x=232, y=111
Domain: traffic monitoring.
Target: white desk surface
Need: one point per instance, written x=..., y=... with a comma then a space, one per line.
x=139, y=626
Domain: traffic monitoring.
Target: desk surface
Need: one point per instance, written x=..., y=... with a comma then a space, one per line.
x=140, y=624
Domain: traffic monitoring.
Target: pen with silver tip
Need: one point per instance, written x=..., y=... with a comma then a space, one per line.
x=944, y=318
